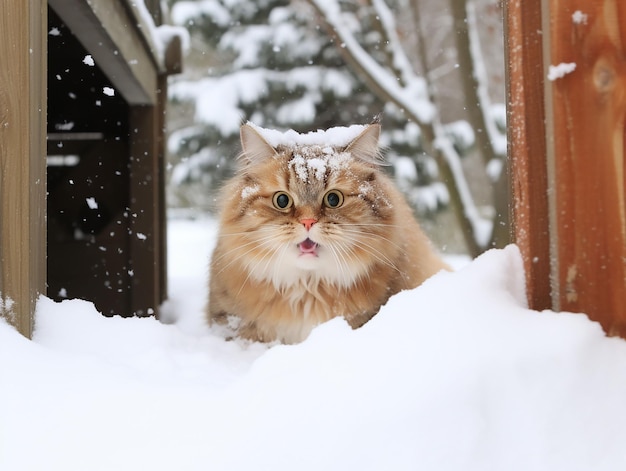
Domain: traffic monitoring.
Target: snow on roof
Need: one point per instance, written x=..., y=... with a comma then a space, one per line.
x=339, y=136
x=157, y=37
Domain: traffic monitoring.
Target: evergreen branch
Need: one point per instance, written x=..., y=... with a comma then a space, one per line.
x=394, y=52
x=413, y=98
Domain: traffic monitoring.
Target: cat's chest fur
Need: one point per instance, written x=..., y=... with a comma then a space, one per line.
x=265, y=312
x=309, y=233
x=290, y=314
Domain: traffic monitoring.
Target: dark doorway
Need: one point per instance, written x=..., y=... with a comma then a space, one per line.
x=88, y=179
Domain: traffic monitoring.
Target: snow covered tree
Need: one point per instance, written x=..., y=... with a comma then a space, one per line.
x=271, y=63
x=394, y=78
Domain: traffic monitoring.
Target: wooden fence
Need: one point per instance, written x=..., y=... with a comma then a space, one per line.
x=567, y=101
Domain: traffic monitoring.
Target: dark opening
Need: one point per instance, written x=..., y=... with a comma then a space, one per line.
x=88, y=178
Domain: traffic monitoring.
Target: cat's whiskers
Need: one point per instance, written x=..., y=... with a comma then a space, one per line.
x=377, y=254
x=365, y=224
x=373, y=236
x=238, y=248
x=255, y=230
x=257, y=244
x=268, y=255
x=270, y=259
x=278, y=263
x=252, y=236
x=341, y=253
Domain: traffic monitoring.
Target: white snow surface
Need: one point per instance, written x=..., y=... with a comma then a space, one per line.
x=457, y=374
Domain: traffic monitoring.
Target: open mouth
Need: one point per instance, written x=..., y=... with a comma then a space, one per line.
x=308, y=247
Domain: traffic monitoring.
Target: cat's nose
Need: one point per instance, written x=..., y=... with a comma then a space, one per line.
x=308, y=223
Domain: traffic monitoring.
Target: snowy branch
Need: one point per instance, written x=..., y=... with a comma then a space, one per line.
x=399, y=61
x=496, y=138
x=413, y=98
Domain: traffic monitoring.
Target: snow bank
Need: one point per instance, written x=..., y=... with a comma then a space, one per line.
x=455, y=375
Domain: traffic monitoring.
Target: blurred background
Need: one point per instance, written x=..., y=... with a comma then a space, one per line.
x=434, y=69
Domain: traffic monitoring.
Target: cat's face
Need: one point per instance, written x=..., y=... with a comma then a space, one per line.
x=309, y=213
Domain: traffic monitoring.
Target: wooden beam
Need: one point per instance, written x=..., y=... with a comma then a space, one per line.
x=23, y=33
x=527, y=145
x=109, y=32
x=173, y=56
x=589, y=107
x=145, y=222
x=160, y=174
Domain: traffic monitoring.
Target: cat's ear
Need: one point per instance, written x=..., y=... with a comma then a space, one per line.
x=365, y=145
x=253, y=144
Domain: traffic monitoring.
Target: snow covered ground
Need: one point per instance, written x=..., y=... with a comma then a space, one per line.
x=455, y=375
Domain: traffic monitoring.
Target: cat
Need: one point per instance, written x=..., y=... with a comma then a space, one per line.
x=311, y=229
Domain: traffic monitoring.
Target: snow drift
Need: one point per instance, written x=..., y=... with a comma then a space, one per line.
x=457, y=374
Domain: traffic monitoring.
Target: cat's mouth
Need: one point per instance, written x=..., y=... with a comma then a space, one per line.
x=308, y=247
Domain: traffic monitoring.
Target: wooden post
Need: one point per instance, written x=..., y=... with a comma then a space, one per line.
x=22, y=159
x=527, y=145
x=587, y=138
x=160, y=172
x=145, y=225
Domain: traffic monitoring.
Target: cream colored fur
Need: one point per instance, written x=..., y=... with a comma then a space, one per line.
x=368, y=248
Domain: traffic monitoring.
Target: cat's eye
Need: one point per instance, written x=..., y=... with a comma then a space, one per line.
x=282, y=200
x=333, y=198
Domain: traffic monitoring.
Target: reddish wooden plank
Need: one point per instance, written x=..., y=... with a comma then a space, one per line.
x=527, y=145
x=589, y=105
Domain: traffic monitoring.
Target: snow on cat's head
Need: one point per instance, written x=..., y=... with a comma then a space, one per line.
x=339, y=136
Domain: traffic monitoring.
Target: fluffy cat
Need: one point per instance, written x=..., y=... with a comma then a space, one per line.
x=312, y=229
